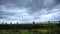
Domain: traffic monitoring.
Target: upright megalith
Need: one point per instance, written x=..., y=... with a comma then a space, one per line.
x=2, y=23
x=33, y=22
x=6, y=23
x=17, y=22
x=48, y=22
x=59, y=22
x=10, y=22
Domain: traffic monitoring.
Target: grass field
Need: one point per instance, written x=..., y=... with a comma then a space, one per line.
x=33, y=31
x=36, y=29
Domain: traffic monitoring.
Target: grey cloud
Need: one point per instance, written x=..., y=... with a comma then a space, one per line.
x=29, y=10
x=16, y=3
x=57, y=1
x=4, y=13
x=3, y=17
x=33, y=4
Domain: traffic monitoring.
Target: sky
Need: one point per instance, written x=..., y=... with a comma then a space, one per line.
x=27, y=11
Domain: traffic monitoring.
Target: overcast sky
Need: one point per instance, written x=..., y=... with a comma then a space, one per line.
x=25, y=11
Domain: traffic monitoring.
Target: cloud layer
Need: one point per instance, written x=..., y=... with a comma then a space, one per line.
x=25, y=11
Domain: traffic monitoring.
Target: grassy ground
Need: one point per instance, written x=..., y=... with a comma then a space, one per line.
x=31, y=31
x=45, y=29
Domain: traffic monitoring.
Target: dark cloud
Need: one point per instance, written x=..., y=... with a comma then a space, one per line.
x=3, y=17
x=58, y=1
x=29, y=10
x=37, y=4
x=6, y=13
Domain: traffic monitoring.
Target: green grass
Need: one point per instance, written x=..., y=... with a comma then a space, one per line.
x=25, y=31
x=50, y=28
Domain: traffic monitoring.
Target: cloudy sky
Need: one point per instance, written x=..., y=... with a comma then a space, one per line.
x=25, y=11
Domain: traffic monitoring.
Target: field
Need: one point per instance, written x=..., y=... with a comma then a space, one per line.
x=29, y=28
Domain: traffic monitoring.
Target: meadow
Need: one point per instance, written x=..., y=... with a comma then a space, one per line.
x=30, y=28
